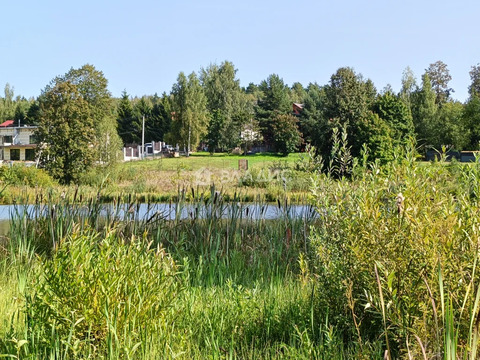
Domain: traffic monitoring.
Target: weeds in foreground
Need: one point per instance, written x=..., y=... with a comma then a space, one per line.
x=384, y=234
x=385, y=268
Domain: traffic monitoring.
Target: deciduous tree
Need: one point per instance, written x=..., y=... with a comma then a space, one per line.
x=424, y=111
x=409, y=86
x=348, y=101
x=224, y=95
x=397, y=116
x=65, y=132
x=474, y=87
x=286, y=136
x=471, y=119
x=190, y=119
x=439, y=78
x=93, y=87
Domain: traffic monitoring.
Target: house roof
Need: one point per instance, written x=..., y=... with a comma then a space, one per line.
x=7, y=123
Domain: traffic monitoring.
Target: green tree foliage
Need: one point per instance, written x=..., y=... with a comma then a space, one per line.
x=449, y=128
x=440, y=77
x=225, y=95
x=286, y=136
x=471, y=119
x=190, y=118
x=221, y=87
x=438, y=121
x=20, y=112
x=160, y=119
x=274, y=100
x=254, y=91
x=474, y=87
x=397, y=116
x=424, y=111
x=33, y=113
x=348, y=101
x=7, y=105
x=129, y=128
x=65, y=132
x=376, y=134
x=471, y=113
x=348, y=96
x=142, y=109
x=409, y=86
x=214, y=131
x=93, y=87
x=298, y=93
x=313, y=123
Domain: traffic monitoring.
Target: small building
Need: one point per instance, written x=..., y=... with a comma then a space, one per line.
x=297, y=109
x=17, y=143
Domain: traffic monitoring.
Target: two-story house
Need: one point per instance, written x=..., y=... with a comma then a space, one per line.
x=17, y=142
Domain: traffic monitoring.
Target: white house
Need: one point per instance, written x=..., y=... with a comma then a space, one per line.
x=17, y=143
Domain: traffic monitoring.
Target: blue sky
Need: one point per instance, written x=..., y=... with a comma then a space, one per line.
x=142, y=45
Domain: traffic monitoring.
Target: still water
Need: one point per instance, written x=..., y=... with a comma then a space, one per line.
x=170, y=211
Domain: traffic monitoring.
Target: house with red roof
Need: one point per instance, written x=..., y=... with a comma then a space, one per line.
x=17, y=143
x=297, y=109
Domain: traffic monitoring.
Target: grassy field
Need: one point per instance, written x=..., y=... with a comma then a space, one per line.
x=220, y=161
x=269, y=177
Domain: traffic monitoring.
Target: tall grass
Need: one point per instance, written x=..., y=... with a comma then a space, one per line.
x=93, y=289
x=386, y=267
x=385, y=233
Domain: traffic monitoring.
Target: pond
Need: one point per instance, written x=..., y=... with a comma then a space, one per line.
x=172, y=211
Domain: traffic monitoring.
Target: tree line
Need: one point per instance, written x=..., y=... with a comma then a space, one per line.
x=211, y=108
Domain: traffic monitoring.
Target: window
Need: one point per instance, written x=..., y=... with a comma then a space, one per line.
x=30, y=154
x=33, y=139
x=8, y=139
x=14, y=154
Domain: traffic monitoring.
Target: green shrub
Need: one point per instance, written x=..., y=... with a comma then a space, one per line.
x=96, y=177
x=25, y=175
x=384, y=235
x=94, y=291
x=309, y=161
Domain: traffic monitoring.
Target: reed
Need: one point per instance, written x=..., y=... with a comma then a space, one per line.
x=380, y=263
x=92, y=288
x=386, y=231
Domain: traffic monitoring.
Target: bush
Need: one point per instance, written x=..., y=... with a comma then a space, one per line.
x=384, y=238
x=25, y=175
x=95, y=290
x=309, y=161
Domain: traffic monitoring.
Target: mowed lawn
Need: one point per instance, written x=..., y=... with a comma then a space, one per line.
x=200, y=160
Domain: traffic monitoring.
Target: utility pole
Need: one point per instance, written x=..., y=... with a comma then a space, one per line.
x=143, y=137
x=189, y=134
